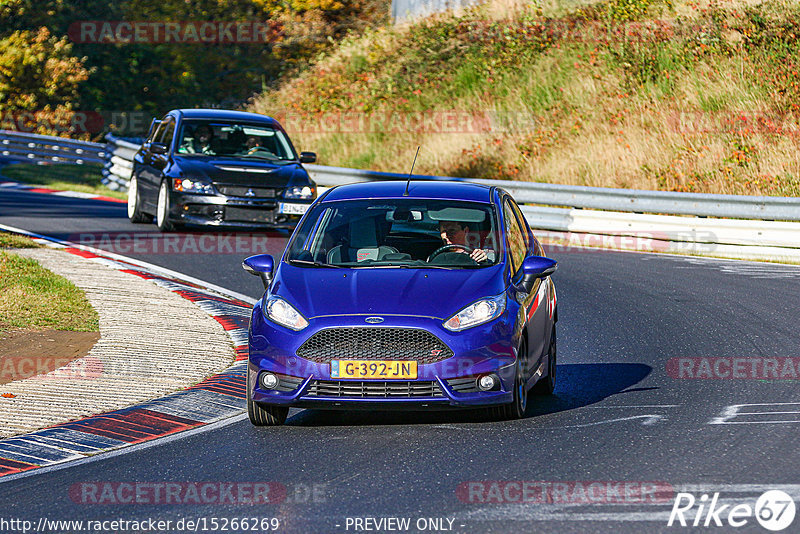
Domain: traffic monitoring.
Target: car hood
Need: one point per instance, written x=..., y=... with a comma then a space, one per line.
x=422, y=292
x=232, y=171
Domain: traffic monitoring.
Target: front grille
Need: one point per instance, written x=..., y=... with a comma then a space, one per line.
x=241, y=191
x=463, y=385
x=249, y=215
x=359, y=389
x=374, y=344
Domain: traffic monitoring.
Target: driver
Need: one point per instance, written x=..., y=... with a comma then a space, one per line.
x=457, y=233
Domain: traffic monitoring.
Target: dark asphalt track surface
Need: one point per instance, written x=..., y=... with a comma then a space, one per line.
x=617, y=415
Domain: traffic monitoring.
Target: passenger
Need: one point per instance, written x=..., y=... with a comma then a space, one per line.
x=457, y=233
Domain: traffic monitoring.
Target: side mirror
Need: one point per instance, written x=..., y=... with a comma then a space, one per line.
x=260, y=265
x=534, y=267
x=158, y=148
x=308, y=157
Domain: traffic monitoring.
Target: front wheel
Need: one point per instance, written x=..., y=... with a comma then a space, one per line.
x=547, y=384
x=267, y=415
x=135, y=214
x=162, y=213
x=516, y=409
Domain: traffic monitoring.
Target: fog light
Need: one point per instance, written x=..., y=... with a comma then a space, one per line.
x=269, y=381
x=487, y=382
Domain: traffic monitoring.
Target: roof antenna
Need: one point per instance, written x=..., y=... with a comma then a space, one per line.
x=408, y=182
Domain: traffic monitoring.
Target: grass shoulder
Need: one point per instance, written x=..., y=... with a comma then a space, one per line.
x=86, y=178
x=33, y=298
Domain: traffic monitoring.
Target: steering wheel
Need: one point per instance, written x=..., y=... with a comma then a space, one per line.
x=259, y=148
x=439, y=250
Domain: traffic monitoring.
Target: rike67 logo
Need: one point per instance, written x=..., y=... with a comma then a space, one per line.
x=774, y=510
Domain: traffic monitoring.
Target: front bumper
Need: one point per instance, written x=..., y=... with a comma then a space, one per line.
x=229, y=212
x=449, y=383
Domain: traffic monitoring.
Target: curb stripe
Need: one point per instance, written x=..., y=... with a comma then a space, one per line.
x=8, y=467
x=218, y=397
x=65, y=193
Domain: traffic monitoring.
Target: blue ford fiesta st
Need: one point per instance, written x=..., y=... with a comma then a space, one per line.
x=418, y=295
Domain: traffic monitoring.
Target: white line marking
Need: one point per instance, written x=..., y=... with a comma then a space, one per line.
x=636, y=406
x=648, y=420
x=732, y=411
x=763, y=413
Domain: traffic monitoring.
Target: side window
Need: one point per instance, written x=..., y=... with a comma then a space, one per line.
x=516, y=243
x=526, y=236
x=168, y=130
x=157, y=133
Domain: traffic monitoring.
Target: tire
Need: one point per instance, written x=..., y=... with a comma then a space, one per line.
x=162, y=211
x=135, y=214
x=547, y=384
x=517, y=407
x=267, y=415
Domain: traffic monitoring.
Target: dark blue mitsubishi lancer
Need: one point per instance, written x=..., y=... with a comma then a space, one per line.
x=218, y=168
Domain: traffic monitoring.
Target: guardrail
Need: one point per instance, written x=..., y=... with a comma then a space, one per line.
x=119, y=164
x=751, y=227
x=602, y=198
x=20, y=146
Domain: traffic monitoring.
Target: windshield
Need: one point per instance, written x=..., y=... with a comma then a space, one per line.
x=410, y=233
x=219, y=138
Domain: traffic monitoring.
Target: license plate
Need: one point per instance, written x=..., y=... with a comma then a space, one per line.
x=292, y=209
x=385, y=370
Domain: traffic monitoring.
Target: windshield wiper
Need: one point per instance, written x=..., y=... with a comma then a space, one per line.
x=313, y=264
x=266, y=158
x=399, y=266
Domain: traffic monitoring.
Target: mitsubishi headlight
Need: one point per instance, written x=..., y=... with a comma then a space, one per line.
x=301, y=192
x=187, y=185
x=279, y=311
x=477, y=313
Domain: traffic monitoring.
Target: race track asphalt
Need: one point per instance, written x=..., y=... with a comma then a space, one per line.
x=617, y=414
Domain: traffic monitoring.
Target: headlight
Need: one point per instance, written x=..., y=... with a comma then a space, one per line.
x=191, y=186
x=279, y=311
x=477, y=313
x=304, y=192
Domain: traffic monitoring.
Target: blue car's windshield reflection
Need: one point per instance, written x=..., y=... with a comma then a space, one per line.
x=397, y=233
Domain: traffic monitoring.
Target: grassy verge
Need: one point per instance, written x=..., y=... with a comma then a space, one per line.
x=83, y=178
x=678, y=95
x=8, y=240
x=33, y=298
